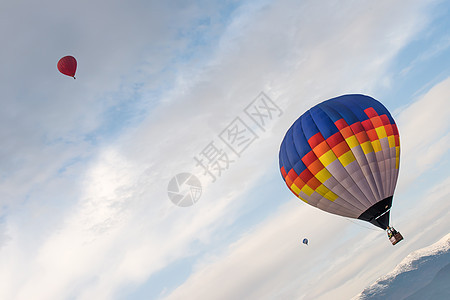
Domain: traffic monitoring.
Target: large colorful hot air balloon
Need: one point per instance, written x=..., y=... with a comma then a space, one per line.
x=342, y=156
x=67, y=65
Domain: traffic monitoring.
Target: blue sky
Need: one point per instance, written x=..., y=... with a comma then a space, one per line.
x=85, y=163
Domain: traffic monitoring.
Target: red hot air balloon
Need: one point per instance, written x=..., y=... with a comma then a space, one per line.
x=68, y=66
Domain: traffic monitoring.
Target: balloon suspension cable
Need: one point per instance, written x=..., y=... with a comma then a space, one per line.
x=383, y=213
x=366, y=227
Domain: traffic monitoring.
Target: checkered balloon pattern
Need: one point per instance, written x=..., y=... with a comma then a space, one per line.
x=342, y=155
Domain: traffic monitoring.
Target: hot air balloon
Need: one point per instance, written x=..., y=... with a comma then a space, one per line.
x=68, y=66
x=342, y=156
x=305, y=241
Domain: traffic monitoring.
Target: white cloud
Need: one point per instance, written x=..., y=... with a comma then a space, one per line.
x=270, y=262
x=424, y=131
x=125, y=53
x=261, y=264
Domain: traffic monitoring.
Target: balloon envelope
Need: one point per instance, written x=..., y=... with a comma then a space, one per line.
x=67, y=65
x=305, y=241
x=342, y=156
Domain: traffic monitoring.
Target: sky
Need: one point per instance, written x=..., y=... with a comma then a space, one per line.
x=86, y=164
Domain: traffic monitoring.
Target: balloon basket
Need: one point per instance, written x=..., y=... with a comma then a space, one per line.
x=396, y=238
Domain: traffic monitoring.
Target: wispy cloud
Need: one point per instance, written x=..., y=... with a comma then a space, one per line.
x=424, y=130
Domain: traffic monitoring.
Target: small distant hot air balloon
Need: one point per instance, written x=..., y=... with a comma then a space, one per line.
x=342, y=156
x=305, y=241
x=68, y=66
